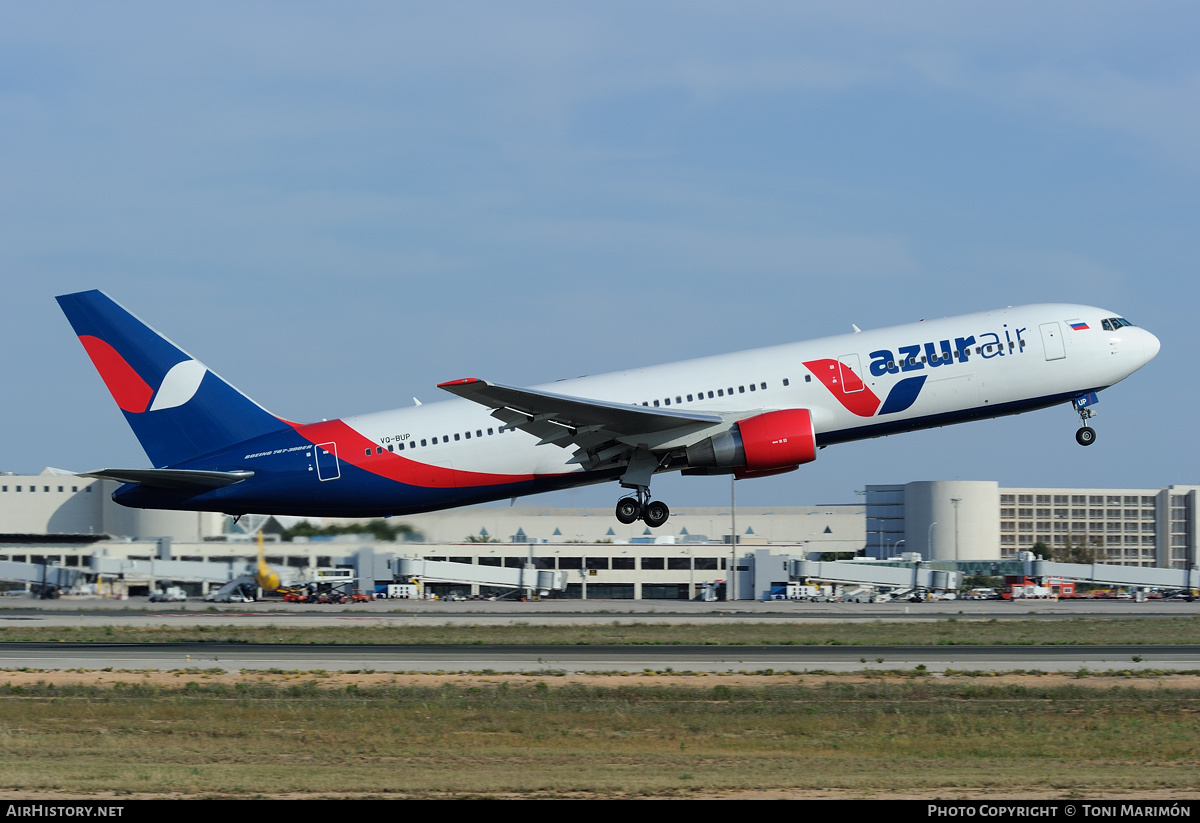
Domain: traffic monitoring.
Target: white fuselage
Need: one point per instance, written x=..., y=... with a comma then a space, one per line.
x=978, y=365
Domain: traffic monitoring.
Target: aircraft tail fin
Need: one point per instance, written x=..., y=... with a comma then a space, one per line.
x=177, y=408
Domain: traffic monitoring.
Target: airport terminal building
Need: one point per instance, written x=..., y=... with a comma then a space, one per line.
x=979, y=520
x=62, y=519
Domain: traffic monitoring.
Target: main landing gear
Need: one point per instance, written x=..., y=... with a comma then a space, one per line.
x=642, y=465
x=632, y=509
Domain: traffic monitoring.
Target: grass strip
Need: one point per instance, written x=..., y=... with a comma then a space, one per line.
x=1071, y=631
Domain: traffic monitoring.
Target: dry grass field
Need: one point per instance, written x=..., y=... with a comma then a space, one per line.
x=210, y=733
x=197, y=733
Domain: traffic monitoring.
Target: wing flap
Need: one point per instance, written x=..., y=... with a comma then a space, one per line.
x=511, y=404
x=599, y=432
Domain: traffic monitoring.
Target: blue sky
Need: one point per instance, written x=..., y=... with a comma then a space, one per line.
x=337, y=207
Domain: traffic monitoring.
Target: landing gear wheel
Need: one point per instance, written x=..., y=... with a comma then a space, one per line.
x=628, y=510
x=1086, y=436
x=656, y=514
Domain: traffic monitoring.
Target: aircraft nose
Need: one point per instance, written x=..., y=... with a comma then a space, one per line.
x=1150, y=345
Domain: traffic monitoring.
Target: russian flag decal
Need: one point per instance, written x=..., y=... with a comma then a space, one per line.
x=1077, y=325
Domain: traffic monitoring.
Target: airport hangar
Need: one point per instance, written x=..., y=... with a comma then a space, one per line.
x=59, y=518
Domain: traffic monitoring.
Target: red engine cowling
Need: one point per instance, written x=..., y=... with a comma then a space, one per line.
x=778, y=439
x=769, y=443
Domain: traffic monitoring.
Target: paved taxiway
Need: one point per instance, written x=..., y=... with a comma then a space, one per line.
x=575, y=658
x=24, y=612
x=235, y=657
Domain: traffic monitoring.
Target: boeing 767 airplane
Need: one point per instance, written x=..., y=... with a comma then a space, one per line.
x=751, y=414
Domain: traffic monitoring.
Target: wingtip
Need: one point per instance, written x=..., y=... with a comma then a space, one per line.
x=461, y=382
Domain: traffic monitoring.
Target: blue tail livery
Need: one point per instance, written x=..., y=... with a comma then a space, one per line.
x=177, y=408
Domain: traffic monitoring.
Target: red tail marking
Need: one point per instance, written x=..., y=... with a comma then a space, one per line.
x=125, y=385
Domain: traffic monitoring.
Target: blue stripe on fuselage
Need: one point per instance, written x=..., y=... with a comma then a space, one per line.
x=933, y=421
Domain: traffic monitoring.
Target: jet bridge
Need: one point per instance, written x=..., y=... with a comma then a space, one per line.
x=543, y=581
x=62, y=577
x=1140, y=576
x=39, y=574
x=920, y=575
x=196, y=570
x=912, y=576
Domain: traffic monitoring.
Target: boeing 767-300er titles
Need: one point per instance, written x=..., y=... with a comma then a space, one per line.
x=751, y=414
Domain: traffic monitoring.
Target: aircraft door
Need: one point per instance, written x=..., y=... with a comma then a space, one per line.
x=850, y=373
x=328, y=467
x=1052, y=341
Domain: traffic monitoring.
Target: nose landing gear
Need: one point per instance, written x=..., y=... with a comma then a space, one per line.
x=1086, y=435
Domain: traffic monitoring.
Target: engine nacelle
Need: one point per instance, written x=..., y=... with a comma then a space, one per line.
x=768, y=443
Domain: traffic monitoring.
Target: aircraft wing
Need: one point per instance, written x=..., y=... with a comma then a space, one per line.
x=599, y=429
x=575, y=412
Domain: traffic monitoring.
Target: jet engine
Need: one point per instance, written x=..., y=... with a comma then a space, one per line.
x=768, y=443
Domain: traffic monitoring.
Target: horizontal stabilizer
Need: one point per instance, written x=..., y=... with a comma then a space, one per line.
x=171, y=478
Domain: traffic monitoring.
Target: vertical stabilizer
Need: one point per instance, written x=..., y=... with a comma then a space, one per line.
x=177, y=408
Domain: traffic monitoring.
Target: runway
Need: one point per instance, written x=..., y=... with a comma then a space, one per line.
x=574, y=659
x=135, y=612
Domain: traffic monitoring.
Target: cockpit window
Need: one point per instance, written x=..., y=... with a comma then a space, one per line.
x=1114, y=323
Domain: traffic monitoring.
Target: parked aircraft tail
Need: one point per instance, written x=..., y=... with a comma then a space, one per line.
x=177, y=408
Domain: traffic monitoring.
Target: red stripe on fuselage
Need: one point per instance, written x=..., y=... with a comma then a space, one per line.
x=352, y=448
x=864, y=403
x=125, y=385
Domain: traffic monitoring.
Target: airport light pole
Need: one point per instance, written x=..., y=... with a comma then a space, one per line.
x=955, y=501
x=731, y=577
x=691, y=574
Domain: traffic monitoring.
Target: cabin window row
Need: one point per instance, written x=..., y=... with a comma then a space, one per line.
x=710, y=394
x=44, y=488
x=433, y=441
